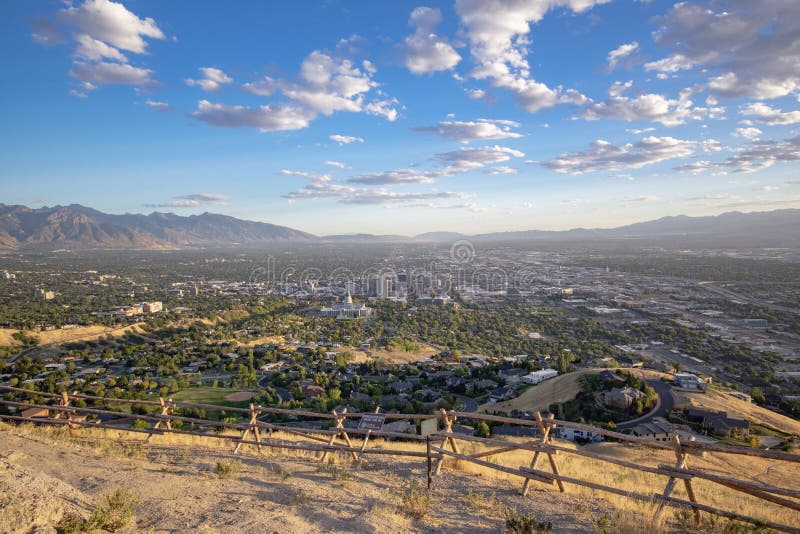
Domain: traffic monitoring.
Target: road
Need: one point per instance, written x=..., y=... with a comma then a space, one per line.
x=665, y=403
x=470, y=404
x=283, y=394
x=743, y=298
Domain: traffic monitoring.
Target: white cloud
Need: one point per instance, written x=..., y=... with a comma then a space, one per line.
x=604, y=156
x=480, y=129
x=337, y=164
x=769, y=115
x=478, y=156
x=345, y=139
x=751, y=45
x=760, y=154
x=94, y=50
x=267, y=118
x=396, y=177
x=213, y=79
x=455, y=162
x=94, y=74
x=747, y=133
x=104, y=30
x=766, y=188
x=621, y=52
x=424, y=51
x=497, y=31
x=476, y=94
x=328, y=84
x=344, y=194
x=158, y=106
x=112, y=23
x=313, y=177
x=649, y=107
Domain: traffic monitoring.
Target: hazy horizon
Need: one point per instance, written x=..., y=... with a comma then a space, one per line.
x=407, y=117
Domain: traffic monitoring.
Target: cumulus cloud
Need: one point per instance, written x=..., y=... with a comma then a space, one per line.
x=337, y=164
x=112, y=23
x=213, y=79
x=102, y=31
x=747, y=133
x=478, y=156
x=649, y=107
x=94, y=50
x=497, y=31
x=268, y=118
x=620, y=53
x=345, y=139
x=769, y=115
x=191, y=201
x=476, y=94
x=94, y=74
x=424, y=51
x=605, y=156
x=752, y=46
x=760, y=154
x=478, y=130
x=328, y=84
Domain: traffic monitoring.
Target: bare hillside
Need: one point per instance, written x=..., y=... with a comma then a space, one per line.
x=188, y=483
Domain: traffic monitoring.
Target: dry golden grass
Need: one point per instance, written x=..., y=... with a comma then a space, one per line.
x=396, y=356
x=539, y=397
x=627, y=515
x=716, y=400
x=68, y=335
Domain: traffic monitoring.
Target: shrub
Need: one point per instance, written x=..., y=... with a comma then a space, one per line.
x=415, y=501
x=113, y=513
x=226, y=469
x=518, y=523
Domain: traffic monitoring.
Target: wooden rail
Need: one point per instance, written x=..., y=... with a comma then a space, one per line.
x=323, y=440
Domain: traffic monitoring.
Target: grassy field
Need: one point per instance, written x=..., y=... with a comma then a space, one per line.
x=577, y=510
x=208, y=395
x=718, y=401
x=56, y=337
x=539, y=397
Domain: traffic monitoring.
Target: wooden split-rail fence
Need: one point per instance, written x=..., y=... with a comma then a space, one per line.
x=60, y=409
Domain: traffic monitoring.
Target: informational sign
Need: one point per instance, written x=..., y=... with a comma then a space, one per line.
x=372, y=421
x=428, y=426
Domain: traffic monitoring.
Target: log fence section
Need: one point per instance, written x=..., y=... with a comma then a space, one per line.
x=166, y=409
x=324, y=441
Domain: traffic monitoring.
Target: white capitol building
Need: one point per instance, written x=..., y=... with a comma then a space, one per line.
x=346, y=310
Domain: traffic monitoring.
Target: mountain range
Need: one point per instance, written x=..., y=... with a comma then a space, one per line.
x=77, y=226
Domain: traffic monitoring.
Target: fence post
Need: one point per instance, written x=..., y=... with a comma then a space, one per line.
x=166, y=409
x=340, y=418
x=255, y=411
x=680, y=464
x=430, y=464
x=448, y=428
x=544, y=433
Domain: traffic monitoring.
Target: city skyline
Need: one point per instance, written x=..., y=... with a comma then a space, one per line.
x=407, y=117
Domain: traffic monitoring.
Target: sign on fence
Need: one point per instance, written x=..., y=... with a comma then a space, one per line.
x=372, y=421
x=428, y=426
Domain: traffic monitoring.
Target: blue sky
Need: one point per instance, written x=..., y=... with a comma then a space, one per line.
x=403, y=117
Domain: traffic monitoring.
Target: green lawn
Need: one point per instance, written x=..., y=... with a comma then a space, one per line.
x=209, y=395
